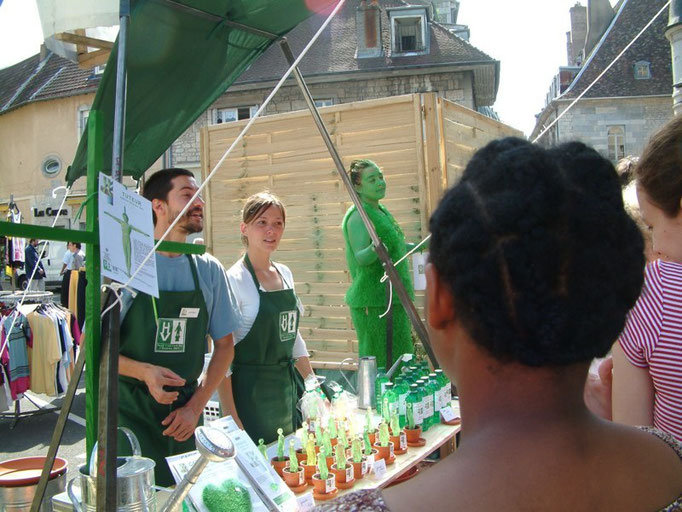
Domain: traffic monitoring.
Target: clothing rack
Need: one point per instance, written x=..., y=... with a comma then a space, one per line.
x=14, y=298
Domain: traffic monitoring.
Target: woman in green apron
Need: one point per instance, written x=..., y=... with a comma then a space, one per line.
x=262, y=391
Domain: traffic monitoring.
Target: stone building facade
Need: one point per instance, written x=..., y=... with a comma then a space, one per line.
x=623, y=108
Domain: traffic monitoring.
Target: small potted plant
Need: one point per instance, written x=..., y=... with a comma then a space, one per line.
x=343, y=473
x=280, y=461
x=370, y=453
x=384, y=446
x=303, y=436
x=332, y=431
x=318, y=436
x=293, y=474
x=357, y=460
x=263, y=449
x=342, y=437
x=310, y=463
x=413, y=431
x=369, y=426
x=398, y=437
x=324, y=484
x=327, y=445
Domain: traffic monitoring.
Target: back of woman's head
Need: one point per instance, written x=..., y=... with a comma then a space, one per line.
x=659, y=170
x=541, y=258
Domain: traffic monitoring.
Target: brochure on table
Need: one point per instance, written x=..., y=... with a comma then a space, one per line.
x=126, y=236
x=247, y=472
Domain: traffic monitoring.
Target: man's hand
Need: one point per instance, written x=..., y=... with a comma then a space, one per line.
x=181, y=423
x=156, y=377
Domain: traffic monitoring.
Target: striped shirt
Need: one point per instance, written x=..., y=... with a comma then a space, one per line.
x=652, y=339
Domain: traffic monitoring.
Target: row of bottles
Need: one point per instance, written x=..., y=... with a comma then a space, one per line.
x=424, y=393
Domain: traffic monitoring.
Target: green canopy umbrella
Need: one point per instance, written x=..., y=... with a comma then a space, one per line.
x=181, y=56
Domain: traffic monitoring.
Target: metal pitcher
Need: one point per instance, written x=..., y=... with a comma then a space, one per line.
x=134, y=481
x=367, y=374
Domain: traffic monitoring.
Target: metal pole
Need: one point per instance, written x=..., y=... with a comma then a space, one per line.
x=379, y=247
x=674, y=34
x=120, y=101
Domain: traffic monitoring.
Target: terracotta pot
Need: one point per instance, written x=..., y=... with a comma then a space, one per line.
x=384, y=452
x=399, y=443
x=345, y=478
x=372, y=437
x=279, y=465
x=324, y=486
x=308, y=472
x=413, y=435
x=293, y=480
x=301, y=455
x=359, y=468
x=334, y=441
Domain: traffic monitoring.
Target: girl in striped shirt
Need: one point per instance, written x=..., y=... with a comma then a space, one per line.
x=647, y=360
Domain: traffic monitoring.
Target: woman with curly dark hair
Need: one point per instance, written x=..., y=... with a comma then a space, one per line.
x=534, y=266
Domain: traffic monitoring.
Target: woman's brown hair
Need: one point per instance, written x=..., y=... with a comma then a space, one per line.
x=659, y=170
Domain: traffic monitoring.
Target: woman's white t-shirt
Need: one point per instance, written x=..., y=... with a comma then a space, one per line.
x=248, y=301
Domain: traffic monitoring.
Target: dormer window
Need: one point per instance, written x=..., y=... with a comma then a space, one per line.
x=409, y=31
x=642, y=70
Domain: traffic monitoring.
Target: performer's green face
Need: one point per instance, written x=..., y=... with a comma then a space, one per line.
x=372, y=186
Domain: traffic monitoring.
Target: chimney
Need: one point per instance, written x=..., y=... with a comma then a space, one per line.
x=368, y=30
x=599, y=16
x=44, y=52
x=575, y=38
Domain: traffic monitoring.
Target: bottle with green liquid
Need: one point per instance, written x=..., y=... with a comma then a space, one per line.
x=401, y=390
x=389, y=402
x=426, y=412
x=413, y=407
x=380, y=387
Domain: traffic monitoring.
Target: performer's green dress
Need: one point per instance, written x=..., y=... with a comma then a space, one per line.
x=366, y=296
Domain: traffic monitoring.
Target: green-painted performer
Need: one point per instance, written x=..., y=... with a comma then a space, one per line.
x=126, y=229
x=163, y=340
x=366, y=296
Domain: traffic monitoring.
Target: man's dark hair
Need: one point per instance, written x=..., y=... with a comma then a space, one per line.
x=159, y=184
x=541, y=258
x=77, y=244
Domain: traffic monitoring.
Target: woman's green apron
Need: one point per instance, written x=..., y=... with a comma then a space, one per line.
x=179, y=344
x=264, y=382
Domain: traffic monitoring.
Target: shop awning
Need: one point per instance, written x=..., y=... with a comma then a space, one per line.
x=182, y=55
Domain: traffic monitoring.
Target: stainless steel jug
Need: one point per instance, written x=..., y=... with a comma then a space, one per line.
x=367, y=374
x=134, y=481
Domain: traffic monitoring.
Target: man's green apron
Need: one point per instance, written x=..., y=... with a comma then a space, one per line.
x=264, y=380
x=179, y=344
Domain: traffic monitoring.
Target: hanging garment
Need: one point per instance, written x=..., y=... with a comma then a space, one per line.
x=45, y=355
x=264, y=380
x=15, y=355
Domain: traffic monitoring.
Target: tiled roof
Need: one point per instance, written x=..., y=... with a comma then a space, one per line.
x=652, y=46
x=334, y=51
x=34, y=79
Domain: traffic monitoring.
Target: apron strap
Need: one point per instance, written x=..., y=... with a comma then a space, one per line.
x=249, y=267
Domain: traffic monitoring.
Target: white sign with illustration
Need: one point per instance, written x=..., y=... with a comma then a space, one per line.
x=126, y=236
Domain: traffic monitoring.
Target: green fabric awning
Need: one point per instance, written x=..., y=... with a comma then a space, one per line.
x=179, y=61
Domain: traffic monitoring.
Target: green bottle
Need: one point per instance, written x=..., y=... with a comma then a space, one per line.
x=444, y=383
x=425, y=413
x=433, y=388
x=402, y=390
x=413, y=407
x=380, y=386
x=389, y=402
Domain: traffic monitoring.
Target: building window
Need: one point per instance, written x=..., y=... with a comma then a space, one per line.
x=642, y=70
x=227, y=115
x=324, y=102
x=83, y=114
x=408, y=34
x=616, y=142
x=51, y=166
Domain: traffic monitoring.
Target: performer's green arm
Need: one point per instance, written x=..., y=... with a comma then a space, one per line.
x=360, y=242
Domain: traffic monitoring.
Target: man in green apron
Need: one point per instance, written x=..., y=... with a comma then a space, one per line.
x=163, y=341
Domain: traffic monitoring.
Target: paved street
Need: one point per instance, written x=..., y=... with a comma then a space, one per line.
x=31, y=435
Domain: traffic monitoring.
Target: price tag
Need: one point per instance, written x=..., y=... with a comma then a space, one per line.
x=329, y=484
x=364, y=467
x=301, y=478
x=379, y=469
x=403, y=440
x=370, y=461
x=349, y=473
x=448, y=414
x=305, y=502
